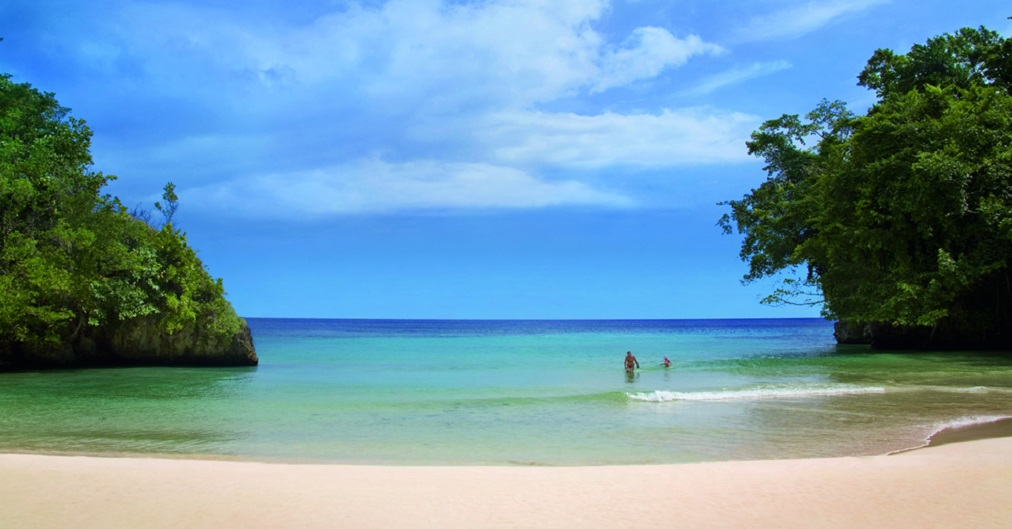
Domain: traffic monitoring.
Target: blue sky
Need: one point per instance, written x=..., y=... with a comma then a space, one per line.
x=482, y=159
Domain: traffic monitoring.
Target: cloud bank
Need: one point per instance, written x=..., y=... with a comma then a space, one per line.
x=406, y=104
x=377, y=186
x=800, y=18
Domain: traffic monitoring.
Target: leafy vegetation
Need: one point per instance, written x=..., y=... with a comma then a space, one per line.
x=901, y=218
x=74, y=262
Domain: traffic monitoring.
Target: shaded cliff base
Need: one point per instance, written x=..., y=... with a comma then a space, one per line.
x=137, y=343
x=885, y=336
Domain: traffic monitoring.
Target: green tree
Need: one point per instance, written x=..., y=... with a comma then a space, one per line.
x=168, y=210
x=46, y=193
x=901, y=217
x=776, y=217
x=73, y=262
x=970, y=57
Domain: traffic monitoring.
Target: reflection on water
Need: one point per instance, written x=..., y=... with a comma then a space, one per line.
x=145, y=410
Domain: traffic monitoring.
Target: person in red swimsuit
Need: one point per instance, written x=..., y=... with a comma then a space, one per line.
x=630, y=362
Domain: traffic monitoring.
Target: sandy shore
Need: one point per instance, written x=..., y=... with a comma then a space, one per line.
x=959, y=485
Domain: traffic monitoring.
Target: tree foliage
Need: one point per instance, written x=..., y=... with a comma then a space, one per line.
x=73, y=260
x=901, y=217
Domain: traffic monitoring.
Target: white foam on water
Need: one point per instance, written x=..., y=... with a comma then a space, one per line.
x=955, y=424
x=981, y=389
x=964, y=422
x=973, y=390
x=757, y=393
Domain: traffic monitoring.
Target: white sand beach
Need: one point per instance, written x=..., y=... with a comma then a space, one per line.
x=959, y=485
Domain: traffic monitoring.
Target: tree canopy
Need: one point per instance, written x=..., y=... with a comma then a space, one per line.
x=900, y=218
x=72, y=260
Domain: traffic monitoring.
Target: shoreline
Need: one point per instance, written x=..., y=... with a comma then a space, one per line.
x=956, y=483
x=960, y=433
x=988, y=429
x=973, y=432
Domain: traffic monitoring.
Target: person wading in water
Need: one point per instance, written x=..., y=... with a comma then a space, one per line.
x=630, y=362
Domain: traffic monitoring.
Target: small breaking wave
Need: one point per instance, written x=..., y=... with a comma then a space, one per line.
x=964, y=422
x=757, y=393
x=955, y=424
x=972, y=390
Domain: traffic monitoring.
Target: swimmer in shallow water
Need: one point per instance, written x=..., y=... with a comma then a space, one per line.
x=630, y=362
x=666, y=363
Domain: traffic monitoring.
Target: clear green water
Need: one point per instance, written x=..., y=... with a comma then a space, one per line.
x=544, y=393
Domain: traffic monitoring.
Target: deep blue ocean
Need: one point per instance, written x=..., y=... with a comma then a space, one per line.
x=515, y=393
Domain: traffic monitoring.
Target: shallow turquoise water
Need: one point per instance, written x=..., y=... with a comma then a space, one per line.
x=495, y=392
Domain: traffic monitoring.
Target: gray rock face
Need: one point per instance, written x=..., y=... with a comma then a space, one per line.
x=884, y=336
x=852, y=333
x=140, y=342
x=137, y=342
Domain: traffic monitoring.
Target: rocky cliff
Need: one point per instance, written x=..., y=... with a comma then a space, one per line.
x=137, y=342
x=939, y=338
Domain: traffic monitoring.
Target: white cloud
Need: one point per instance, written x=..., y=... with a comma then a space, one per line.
x=376, y=186
x=646, y=53
x=736, y=76
x=449, y=90
x=667, y=139
x=510, y=154
x=800, y=19
x=407, y=54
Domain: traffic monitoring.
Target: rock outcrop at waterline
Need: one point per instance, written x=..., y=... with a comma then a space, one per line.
x=138, y=342
x=884, y=336
x=851, y=333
